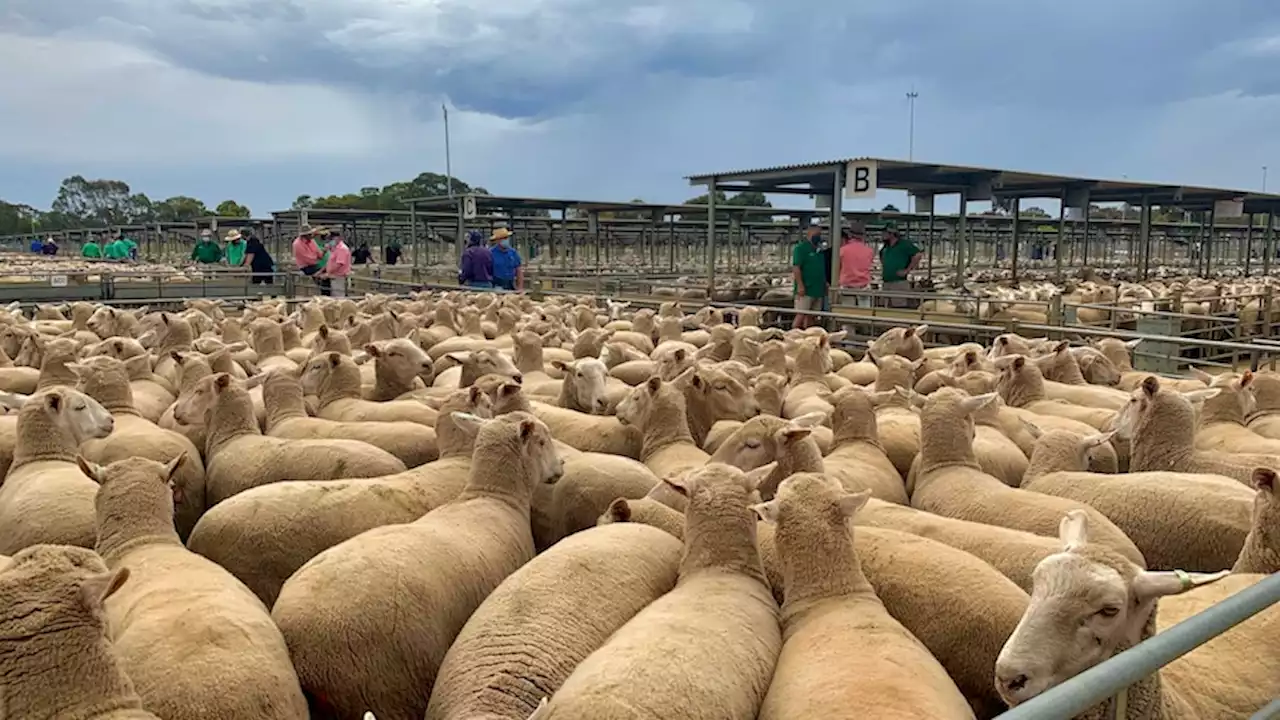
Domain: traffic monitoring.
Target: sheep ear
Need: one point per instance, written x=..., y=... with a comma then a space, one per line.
x=13, y=401
x=915, y=364
x=95, y=589
x=92, y=470
x=1033, y=429
x=79, y=369
x=977, y=402
x=1201, y=395
x=756, y=478
x=539, y=712
x=1131, y=344
x=879, y=397
x=221, y=381
x=872, y=357
x=1150, y=385
x=1149, y=585
x=1073, y=530
x=1246, y=379
x=372, y=350
x=1264, y=480
x=809, y=420
x=171, y=467
x=560, y=365
x=527, y=427
x=793, y=433
x=1061, y=347
x=255, y=381
x=135, y=364
x=838, y=336
x=680, y=482
x=767, y=511
x=1092, y=441
x=468, y=422
x=619, y=510
x=654, y=383
x=1200, y=375
x=462, y=358
x=850, y=504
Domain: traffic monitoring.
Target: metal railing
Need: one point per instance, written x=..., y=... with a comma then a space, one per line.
x=1109, y=678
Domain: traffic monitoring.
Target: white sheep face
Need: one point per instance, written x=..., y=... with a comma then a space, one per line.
x=634, y=408
x=587, y=377
x=78, y=415
x=314, y=374
x=492, y=362
x=405, y=359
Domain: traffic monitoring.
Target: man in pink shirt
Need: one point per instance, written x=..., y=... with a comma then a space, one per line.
x=338, y=267
x=856, y=257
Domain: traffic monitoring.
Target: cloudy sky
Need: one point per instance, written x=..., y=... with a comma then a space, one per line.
x=263, y=100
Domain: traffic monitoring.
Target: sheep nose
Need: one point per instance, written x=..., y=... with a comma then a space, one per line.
x=518, y=378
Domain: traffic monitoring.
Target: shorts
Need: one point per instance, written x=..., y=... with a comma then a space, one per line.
x=478, y=285
x=804, y=302
x=310, y=270
x=505, y=283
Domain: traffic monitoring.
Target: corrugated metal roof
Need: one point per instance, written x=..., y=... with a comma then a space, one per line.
x=797, y=167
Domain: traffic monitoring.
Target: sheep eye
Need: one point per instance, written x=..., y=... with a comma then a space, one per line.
x=753, y=444
x=79, y=407
x=1109, y=612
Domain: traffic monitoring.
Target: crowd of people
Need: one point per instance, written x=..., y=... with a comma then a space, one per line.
x=330, y=265
x=492, y=265
x=812, y=260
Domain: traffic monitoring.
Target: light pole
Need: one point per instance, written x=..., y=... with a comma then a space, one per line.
x=911, y=123
x=448, y=161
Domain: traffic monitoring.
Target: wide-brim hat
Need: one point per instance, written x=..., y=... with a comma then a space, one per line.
x=233, y=236
x=320, y=230
x=305, y=229
x=500, y=234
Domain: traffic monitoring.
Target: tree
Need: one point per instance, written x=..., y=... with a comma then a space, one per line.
x=890, y=208
x=231, y=208
x=180, y=208
x=1033, y=212
x=97, y=203
x=303, y=202
x=750, y=198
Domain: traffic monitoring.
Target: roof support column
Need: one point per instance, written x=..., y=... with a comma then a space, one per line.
x=1085, y=250
x=1212, y=237
x=1248, y=245
x=1060, y=244
x=1013, y=258
x=962, y=237
x=929, y=272
x=711, y=237
x=837, y=217
x=1268, y=242
x=413, y=232
x=1144, y=238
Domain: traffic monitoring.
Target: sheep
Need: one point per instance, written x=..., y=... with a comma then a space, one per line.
x=180, y=611
x=471, y=365
x=583, y=386
x=1177, y=520
x=1261, y=551
x=657, y=409
x=949, y=482
x=106, y=380
x=268, y=342
x=413, y=443
x=907, y=342
x=1022, y=386
x=263, y=535
x=1118, y=351
x=166, y=332
x=707, y=647
x=590, y=483
x=1160, y=423
x=240, y=457
x=17, y=379
x=335, y=379
x=45, y=498
x=1062, y=380
x=898, y=426
x=566, y=602
x=808, y=386
x=857, y=458
x=590, y=433
x=54, y=646
x=711, y=395
x=1095, y=367
x=1021, y=427
x=399, y=367
x=844, y=654
x=1265, y=418
x=443, y=565
x=1087, y=588
x=192, y=367
x=1222, y=421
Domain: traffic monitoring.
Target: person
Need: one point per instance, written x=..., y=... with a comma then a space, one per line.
x=115, y=250
x=49, y=247
x=809, y=276
x=307, y=255
x=36, y=246
x=508, y=269
x=206, y=251
x=391, y=253
x=361, y=255
x=898, y=257
x=259, y=261
x=91, y=249
x=337, y=265
x=235, y=248
x=856, y=257
x=130, y=248
x=476, y=267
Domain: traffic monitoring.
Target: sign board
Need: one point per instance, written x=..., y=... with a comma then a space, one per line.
x=1228, y=208
x=58, y=281
x=860, y=179
x=469, y=207
x=923, y=203
x=822, y=202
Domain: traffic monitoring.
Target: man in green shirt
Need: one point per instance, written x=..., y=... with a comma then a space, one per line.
x=115, y=250
x=91, y=249
x=235, y=249
x=206, y=251
x=809, y=276
x=898, y=257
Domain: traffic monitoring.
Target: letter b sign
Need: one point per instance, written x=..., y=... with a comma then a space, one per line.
x=860, y=179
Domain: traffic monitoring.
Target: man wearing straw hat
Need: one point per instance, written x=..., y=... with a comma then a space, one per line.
x=235, y=248
x=307, y=256
x=508, y=270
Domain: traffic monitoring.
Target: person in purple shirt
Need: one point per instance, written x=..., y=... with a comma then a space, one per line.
x=476, y=269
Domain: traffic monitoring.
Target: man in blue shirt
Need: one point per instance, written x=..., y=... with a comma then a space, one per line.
x=508, y=270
